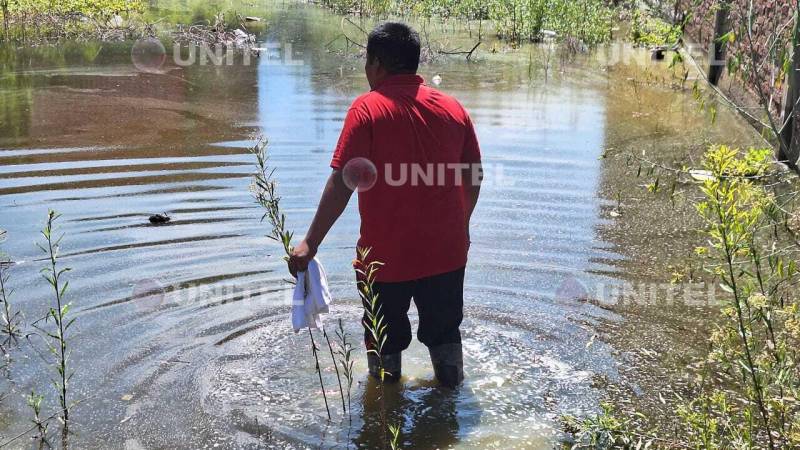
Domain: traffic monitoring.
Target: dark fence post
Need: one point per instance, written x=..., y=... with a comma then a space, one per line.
x=717, y=63
x=789, y=149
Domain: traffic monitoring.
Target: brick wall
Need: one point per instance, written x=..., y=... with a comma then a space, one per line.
x=770, y=16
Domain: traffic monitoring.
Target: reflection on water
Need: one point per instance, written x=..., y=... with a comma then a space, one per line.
x=183, y=337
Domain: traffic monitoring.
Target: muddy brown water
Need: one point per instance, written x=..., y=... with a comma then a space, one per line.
x=183, y=337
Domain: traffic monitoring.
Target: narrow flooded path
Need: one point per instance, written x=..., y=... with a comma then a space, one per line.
x=183, y=338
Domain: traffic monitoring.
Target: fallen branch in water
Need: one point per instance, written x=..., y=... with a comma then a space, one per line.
x=455, y=52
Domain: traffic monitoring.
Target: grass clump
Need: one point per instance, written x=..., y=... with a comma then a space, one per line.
x=606, y=430
x=9, y=319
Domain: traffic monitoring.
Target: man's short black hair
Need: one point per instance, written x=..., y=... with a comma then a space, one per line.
x=396, y=45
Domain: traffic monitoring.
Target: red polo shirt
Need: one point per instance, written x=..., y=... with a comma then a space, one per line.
x=418, y=139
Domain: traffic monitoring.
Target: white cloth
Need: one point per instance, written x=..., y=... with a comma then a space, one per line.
x=311, y=297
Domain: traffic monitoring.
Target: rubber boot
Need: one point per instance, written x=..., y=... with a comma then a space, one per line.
x=392, y=365
x=448, y=364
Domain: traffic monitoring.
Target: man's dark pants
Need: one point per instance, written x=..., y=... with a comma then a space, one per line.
x=440, y=303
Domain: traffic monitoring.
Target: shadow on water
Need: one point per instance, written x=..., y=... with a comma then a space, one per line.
x=429, y=416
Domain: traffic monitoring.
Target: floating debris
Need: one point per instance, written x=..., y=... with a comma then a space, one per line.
x=701, y=175
x=160, y=218
x=215, y=35
x=437, y=79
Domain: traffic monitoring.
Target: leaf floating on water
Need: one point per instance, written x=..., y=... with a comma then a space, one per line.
x=127, y=397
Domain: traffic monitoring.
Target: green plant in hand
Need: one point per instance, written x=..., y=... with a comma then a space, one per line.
x=265, y=191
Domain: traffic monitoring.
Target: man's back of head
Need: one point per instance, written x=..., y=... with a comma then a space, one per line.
x=392, y=48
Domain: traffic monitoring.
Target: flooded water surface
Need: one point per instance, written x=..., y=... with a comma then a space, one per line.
x=183, y=338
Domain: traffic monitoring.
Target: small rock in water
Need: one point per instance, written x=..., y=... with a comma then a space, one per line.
x=160, y=218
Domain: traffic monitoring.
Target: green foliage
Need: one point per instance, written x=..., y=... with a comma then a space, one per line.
x=92, y=8
x=394, y=442
x=56, y=336
x=650, y=31
x=264, y=189
x=373, y=321
x=345, y=359
x=377, y=331
x=34, y=402
x=26, y=19
x=9, y=319
x=755, y=348
x=604, y=431
x=587, y=20
x=515, y=20
x=746, y=393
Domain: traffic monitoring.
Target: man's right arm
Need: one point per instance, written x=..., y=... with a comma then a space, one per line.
x=334, y=200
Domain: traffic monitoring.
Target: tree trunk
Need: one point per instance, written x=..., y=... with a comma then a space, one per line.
x=789, y=149
x=4, y=5
x=717, y=64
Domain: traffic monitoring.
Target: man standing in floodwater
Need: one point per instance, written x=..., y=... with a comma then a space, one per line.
x=412, y=153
